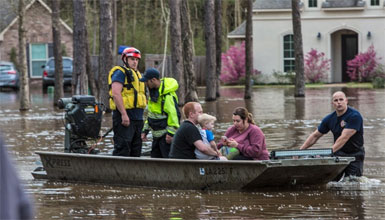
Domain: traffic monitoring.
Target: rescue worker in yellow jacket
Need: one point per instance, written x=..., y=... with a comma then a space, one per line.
x=128, y=101
x=163, y=113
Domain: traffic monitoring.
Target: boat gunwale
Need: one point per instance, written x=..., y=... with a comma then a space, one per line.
x=173, y=160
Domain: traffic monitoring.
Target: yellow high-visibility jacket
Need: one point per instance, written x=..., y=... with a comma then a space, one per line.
x=133, y=92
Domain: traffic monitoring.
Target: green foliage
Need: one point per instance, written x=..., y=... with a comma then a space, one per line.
x=13, y=57
x=63, y=50
x=378, y=82
x=284, y=78
x=145, y=17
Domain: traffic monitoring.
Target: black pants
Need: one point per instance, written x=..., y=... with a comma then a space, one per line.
x=127, y=140
x=160, y=148
x=241, y=157
x=355, y=168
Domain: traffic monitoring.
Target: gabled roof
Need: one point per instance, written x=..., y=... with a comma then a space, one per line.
x=8, y=14
x=238, y=32
x=343, y=3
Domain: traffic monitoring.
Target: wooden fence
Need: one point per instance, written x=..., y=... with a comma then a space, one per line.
x=156, y=61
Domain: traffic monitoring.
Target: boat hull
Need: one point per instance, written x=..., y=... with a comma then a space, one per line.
x=190, y=174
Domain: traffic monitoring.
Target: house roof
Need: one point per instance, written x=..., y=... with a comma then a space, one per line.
x=343, y=3
x=8, y=14
x=272, y=4
x=238, y=32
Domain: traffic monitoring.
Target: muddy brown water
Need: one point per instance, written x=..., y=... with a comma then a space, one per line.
x=286, y=122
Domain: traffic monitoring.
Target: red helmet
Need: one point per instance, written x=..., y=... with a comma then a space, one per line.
x=131, y=52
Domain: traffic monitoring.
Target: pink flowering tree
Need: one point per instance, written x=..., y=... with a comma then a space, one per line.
x=316, y=66
x=234, y=64
x=364, y=65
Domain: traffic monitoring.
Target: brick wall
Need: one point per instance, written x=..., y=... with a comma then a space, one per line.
x=38, y=28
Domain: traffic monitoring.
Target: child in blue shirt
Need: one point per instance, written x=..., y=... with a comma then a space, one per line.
x=206, y=122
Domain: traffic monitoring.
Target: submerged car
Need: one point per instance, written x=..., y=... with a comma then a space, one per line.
x=9, y=76
x=49, y=72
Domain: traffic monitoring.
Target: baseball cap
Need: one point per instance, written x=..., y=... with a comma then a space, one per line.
x=149, y=74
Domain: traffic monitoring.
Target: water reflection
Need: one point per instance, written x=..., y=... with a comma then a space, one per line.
x=286, y=122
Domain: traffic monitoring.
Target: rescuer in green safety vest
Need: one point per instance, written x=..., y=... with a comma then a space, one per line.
x=163, y=113
x=128, y=101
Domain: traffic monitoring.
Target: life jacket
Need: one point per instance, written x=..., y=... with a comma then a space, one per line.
x=133, y=92
x=158, y=118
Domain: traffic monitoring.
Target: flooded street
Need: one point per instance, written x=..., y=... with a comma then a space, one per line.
x=286, y=122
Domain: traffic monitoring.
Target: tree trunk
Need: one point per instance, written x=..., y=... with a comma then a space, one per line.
x=79, y=77
x=237, y=13
x=188, y=67
x=298, y=49
x=105, y=51
x=134, y=17
x=25, y=100
x=249, y=49
x=94, y=28
x=55, y=16
x=176, y=47
x=166, y=19
x=123, y=12
x=210, y=50
x=114, y=28
x=218, y=44
x=92, y=83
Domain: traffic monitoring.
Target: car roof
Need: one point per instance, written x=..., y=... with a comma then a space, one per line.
x=51, y=58
x=6, y=63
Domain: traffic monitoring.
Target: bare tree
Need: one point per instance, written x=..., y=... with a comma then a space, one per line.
x=55, y=16
x=210, y=50
x=25, y=100
x=176, y=47
x=298, y=49
x=249, y=49
x=114, y=27
x=105, y=51
x=94, y=27
x=79, y=77
x=187, y=39
x=92, y=83
x=218, y=43
x=166, y=19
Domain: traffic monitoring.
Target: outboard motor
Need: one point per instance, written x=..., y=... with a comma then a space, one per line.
x=83, y=120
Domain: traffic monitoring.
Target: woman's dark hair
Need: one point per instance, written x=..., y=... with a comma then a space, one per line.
x=244, y=114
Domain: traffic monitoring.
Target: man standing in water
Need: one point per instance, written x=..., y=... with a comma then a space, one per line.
x=346, y=125
x=128, y=101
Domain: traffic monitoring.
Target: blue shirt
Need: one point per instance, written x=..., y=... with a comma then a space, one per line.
x=351, y=119
x=209, y=135
x=135, y=113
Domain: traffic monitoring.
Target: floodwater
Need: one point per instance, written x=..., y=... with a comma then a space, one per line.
x=286, y=122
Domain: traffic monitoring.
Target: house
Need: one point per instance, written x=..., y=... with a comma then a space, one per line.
x=339, y=28
x=38, y=28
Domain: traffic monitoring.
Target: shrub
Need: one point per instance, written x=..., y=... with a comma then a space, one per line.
x=363, y=67
x=284, y=77
x=234, y=65
x=316, y=66
x=13, y=57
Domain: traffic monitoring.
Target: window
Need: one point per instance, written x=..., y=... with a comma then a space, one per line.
x=374, y=2
x=288, y=53
x=38, y=58
x=312, y=3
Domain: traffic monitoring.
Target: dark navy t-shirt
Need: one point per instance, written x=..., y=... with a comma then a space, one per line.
x=182, y=145
x=135, y=113
x=351, y=119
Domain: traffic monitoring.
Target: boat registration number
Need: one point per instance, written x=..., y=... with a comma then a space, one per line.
x=215, y=171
